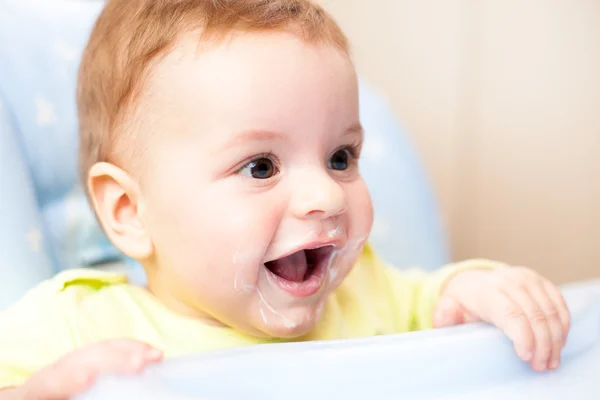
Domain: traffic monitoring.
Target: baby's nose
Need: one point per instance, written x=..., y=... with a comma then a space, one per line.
x=318, y=196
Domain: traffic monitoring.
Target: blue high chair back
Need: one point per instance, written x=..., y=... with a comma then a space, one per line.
x=46, y=224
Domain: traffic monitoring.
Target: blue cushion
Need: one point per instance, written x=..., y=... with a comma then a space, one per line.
x=24, y=252
x=42, y=45
x=407, y=230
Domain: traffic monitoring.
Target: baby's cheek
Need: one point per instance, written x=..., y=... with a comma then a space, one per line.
x=242, y=239
x=360, y=222
x=248, y=216
x=343, y=263
x=360, y=211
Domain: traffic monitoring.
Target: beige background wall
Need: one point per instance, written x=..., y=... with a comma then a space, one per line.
x=502, y=98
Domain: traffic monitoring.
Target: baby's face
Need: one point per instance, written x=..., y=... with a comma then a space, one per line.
x=251, y=188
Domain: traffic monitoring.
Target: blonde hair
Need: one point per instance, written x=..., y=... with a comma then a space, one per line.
x=129, y=35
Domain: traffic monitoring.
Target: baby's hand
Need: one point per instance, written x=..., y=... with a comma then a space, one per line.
x=528, y=308
x=77, y=371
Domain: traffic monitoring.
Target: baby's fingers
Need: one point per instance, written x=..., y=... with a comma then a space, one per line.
x=118, y=356
x=508, y=315
x=555, y=329
x=76, y=372
x=561, y=306
x=544, y=322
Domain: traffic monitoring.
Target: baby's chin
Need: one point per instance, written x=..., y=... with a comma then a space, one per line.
x=288, y=331
x=289, y=323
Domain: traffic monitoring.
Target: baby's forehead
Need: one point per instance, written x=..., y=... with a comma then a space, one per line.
x=249, y=70
x=254, y=88
x=262, y=52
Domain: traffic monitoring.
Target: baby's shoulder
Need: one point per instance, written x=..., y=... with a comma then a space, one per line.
x=74, y=284
x=86, y=279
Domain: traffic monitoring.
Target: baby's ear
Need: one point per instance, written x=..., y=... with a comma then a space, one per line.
x=117, y=201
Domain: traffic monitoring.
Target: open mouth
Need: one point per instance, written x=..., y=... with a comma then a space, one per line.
x=302, y=265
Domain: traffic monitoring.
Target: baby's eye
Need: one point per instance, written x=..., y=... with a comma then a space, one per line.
x=261, y=168
x=339, y=160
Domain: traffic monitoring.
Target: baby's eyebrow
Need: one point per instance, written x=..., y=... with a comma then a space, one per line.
x=260, y=135
x=263, y=135
x=355, y=129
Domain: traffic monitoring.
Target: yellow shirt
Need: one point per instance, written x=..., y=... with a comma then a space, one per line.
x=80, y=307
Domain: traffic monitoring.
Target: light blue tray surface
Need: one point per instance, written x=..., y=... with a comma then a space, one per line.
x=467, y=362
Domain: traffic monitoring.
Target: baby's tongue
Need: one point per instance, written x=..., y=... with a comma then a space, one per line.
x=292, y=268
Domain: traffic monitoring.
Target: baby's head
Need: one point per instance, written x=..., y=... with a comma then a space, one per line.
x=219, y=146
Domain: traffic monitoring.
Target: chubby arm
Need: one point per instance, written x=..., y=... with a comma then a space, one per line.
x=76, y=372
x=403, y=300
x=416, y=292
x=40, y=359
x=527, y=307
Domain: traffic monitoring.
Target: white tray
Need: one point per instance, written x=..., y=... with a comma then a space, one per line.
x=467, y=362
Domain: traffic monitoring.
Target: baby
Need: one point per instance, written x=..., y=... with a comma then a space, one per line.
x=219, y=147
